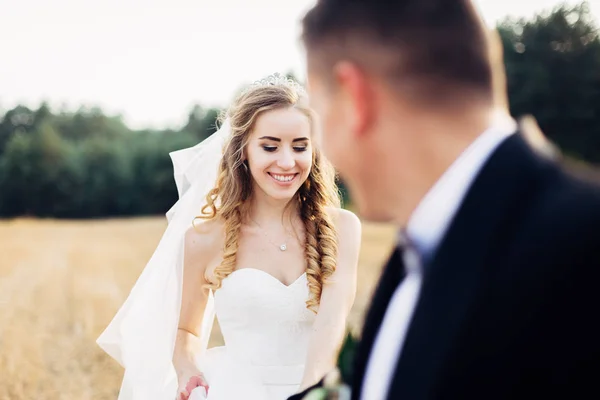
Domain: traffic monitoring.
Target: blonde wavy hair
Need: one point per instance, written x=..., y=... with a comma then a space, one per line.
x=229, y=198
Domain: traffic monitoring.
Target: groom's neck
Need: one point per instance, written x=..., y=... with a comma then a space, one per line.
x=430, y=144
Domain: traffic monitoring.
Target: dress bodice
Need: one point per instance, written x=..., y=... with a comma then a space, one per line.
x=263, y=320
x=266, y=327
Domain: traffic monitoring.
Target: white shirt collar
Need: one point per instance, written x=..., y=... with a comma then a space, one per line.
x=431, y=219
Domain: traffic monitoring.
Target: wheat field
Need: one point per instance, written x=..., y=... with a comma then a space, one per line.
x=61, y=283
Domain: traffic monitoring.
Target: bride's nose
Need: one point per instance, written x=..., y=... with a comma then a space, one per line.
x=286, y=160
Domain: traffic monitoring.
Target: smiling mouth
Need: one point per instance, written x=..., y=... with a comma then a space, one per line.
x=283, y=178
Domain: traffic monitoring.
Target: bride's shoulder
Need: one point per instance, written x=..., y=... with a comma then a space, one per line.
x=349, y=234
x=348, y=227
x=344, y=220
x=204, y=239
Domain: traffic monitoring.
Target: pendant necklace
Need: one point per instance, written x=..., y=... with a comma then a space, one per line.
x=282, y=246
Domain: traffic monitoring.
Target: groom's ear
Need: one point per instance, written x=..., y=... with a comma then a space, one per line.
x=356, y=95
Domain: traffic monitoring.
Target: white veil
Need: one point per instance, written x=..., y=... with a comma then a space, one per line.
x=141, y=337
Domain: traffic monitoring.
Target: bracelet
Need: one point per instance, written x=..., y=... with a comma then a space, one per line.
x=188, y=331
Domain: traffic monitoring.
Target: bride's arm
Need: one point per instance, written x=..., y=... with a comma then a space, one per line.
x=194, y=297
x=197, y=254
x=337, y=298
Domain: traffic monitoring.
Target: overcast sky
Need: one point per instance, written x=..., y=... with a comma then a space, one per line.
x=151, y=60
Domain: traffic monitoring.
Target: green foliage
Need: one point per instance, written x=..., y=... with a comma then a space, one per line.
x=553, y=69
x=37, y=174
x=345, y=360
x=18, y=120
x=87, y=164
x=201, y=122
x=153, y=187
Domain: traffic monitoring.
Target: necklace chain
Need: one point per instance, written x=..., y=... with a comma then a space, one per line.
x=282, y=247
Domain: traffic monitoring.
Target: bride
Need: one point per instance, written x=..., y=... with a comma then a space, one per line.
x=266, y=248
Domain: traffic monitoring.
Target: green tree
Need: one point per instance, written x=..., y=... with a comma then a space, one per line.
x=202, y=122
x=18, y=120
x=108, y=177
x=153, y=190
x=553, y=63
x=87, y=123
x=37, y=174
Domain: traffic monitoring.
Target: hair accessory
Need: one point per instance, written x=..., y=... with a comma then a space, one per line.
x=277, y=79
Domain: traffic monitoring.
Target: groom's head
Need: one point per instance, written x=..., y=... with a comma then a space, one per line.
x=382, y=68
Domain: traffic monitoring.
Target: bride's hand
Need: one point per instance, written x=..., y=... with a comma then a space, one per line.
x=189, y=378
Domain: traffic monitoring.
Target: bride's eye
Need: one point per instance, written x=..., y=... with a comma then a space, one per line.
x=300, y=148
x=270, y=149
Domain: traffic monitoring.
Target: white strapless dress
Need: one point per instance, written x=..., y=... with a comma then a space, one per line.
x=266, y=328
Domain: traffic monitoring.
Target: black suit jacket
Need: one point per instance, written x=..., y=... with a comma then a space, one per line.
x=509, y=304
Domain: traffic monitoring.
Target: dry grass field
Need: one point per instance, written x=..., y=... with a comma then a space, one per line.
x=62, y=281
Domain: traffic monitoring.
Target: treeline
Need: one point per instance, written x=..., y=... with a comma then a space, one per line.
x=86, y=164
x=553, y=68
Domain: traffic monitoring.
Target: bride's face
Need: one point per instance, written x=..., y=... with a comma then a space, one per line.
x=279, y=152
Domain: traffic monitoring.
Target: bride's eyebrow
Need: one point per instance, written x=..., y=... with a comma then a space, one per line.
x=274, y=139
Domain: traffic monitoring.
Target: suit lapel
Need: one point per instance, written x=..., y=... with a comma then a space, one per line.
x=457, y=272
x=391, y=277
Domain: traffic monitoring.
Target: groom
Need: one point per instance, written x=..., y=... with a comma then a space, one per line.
x=492, y=292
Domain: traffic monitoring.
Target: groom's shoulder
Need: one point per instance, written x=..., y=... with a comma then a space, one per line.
x=567, y=208
x=575, y=194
